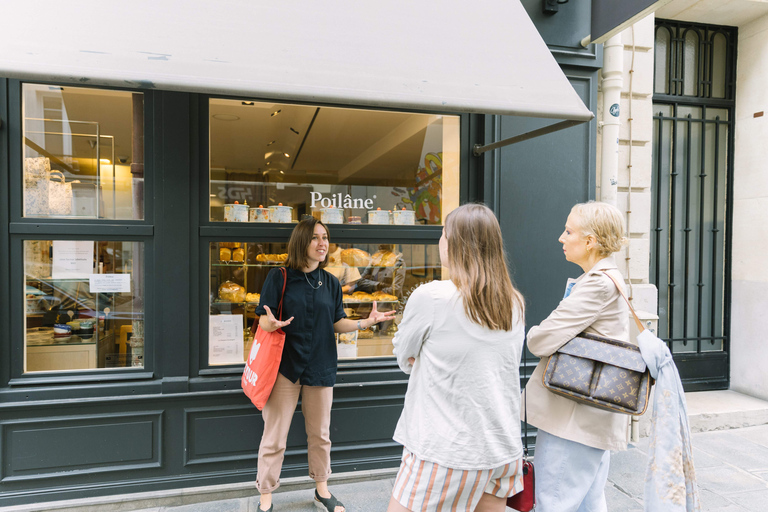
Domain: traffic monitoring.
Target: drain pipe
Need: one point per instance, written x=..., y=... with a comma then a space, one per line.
x=613, y=81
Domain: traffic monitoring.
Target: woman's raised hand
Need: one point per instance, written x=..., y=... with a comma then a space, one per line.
x=378, y=316
x=274, y=322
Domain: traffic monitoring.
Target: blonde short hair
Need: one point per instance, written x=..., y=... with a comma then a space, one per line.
x=603, y=221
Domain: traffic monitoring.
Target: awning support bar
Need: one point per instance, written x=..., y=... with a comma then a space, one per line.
x=479, y=149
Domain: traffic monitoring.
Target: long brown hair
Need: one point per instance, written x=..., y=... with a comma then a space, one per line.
x=299, y=242
x=478, y=265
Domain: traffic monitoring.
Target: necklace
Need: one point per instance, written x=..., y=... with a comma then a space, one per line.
x=319, y=283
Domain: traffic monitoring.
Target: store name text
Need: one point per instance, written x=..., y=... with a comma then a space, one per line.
x=340, y=201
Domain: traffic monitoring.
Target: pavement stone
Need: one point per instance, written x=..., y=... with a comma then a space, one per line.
x=727, y=480
x=627, y=472
x=758, y=435
x=734, y=449
x=754, y=500
x=618, y=501
x=711, y=502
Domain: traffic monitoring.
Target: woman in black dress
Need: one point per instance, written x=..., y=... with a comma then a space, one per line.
x=313, y=307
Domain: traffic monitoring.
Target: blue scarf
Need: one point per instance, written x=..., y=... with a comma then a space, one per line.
x=670, y=479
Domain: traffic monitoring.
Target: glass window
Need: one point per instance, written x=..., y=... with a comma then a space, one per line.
x=272, y=162
x=385, y=273
x=83, y=152
x=83, y=305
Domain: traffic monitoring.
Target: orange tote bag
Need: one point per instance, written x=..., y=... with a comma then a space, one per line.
x=260, y=371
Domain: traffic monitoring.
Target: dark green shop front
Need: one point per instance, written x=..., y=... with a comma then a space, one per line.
x=125, y=316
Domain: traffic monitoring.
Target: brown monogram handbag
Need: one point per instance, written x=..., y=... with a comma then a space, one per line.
x=601, y=372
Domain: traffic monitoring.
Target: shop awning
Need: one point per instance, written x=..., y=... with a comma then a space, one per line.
x=450, y=56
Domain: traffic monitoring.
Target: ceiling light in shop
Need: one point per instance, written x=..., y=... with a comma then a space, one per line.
x=248, y=103
x=270, y=143
x=105, y=161
x=287, y=155
x=226, y=117
x=275, y=113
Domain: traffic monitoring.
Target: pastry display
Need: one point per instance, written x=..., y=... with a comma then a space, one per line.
x=383, y=259
x=252, y=297
x=363, y=296
x=230, y=245
x=238, y=254
x=231, y=292
x=355, y=257
x=383, y=297
x=365, y=334
x=348, y=337
x=225, y=254
x=271, y=258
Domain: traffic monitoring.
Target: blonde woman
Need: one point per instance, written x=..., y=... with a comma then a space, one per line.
x=461, y=341
x=574, y=441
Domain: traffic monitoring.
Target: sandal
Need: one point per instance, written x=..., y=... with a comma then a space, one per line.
x=258, y=507
x=328, y=504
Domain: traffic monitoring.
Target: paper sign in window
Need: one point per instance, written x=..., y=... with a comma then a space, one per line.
x=225, y=339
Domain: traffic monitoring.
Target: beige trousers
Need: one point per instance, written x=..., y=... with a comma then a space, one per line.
x=278, y=412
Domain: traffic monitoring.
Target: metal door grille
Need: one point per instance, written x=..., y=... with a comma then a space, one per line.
x=692, y=169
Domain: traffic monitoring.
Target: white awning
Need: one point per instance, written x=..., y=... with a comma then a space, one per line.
x=450, y=56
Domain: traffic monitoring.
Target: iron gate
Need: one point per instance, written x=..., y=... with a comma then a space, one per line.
x=694, y=99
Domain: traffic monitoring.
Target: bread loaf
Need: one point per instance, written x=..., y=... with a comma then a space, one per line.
x=355, y=257
x=231, y=292
x=384, y=259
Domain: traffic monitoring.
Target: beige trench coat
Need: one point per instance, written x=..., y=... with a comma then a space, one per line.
x=594, y=306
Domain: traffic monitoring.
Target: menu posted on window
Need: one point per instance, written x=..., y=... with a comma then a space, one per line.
x=225, y=339
x=72, y=259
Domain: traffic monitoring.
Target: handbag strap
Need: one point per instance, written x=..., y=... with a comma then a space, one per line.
x=282, y=294
x=279, y=307
x=639, y=324
x=525, y=400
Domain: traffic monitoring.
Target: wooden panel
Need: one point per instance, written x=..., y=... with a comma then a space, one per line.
x=46, y=447
x=61, y=357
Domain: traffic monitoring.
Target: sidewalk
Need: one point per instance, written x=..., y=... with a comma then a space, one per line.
x=731, y=467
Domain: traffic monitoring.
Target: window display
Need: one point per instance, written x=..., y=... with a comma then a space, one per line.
x=83, y=305
x=272, y=162
x=384, y=273
x=83, y=153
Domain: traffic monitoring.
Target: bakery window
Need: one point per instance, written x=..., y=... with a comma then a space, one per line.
x=384, y=273
x=82, y=153
x=274, y=162
x=83, y=305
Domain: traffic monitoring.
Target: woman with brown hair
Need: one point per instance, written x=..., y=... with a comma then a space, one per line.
x=313, y=307
x=461, y=341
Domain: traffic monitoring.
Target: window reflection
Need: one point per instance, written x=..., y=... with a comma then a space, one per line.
x=83, y=153
x=342, y=165
x=83, y=305
x=384, y=273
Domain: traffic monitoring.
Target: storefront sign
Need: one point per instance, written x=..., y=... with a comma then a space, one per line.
x=225, y=339
x=340, y=201
x=72, y=259
x=110, y=283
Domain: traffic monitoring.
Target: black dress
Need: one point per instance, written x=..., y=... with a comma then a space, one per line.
x=309, y=354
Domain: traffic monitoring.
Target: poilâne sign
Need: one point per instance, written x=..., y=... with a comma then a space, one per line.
x=340, y=200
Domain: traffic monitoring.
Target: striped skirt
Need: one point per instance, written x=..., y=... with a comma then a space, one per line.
x=429, y=487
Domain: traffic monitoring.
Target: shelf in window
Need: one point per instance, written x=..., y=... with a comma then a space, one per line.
x=239, y=264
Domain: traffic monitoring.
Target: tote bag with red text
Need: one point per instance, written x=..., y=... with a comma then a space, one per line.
x=260, y=371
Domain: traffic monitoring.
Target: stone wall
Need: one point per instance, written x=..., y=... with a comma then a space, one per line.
x=749, y=300
x=635, y=138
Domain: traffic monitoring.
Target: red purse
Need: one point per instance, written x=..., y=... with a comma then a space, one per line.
x=260, y=372
x=525, y=500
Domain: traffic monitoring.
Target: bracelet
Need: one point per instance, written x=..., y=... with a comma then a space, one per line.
x=359, y=326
